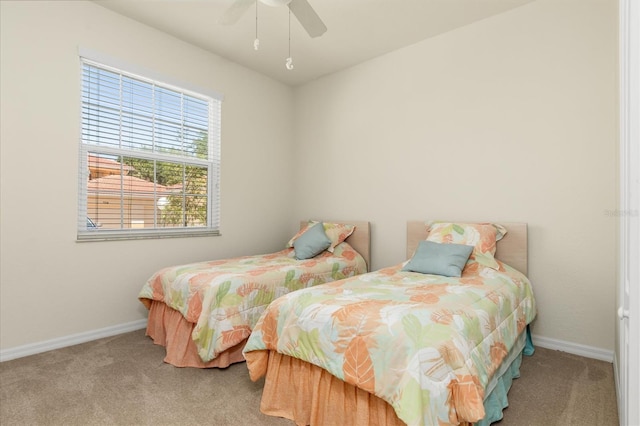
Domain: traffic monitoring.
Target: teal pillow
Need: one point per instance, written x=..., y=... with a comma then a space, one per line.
x=313, y=242
x=439, y=259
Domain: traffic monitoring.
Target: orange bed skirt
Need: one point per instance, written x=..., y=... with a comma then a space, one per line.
x=309, y=395
x=167, y=327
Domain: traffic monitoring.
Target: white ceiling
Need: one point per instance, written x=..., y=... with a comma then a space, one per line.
x=357, y=30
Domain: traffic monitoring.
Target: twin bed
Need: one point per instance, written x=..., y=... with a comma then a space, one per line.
x=396, y=346
x=203, y=312
x=403, y=344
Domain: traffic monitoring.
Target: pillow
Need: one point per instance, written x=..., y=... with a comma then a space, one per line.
x=311, y=243
x=337, y=233
x=482, y=236
x=301, y=231
x=439, y=259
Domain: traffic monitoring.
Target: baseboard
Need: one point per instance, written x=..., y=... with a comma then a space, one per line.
x=573, y=348
x=74, y=339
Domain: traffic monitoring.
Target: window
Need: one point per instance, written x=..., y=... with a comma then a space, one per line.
x=149, y=158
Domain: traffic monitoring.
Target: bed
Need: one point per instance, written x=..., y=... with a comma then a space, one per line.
x=396, y=346
x=203, y=312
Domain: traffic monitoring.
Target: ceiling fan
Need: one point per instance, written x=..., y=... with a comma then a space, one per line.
x=301, y=9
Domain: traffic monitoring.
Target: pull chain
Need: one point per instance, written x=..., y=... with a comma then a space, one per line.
x=256, y=42
x=289, y=61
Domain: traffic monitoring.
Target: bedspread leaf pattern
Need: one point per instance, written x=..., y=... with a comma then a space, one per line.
x=382, y=332
x=225, y=298
x=358, y=365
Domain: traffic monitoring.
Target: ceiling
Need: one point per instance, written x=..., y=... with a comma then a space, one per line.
x=357, y=30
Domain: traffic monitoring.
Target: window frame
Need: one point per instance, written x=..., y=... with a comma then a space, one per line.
x=212, y=163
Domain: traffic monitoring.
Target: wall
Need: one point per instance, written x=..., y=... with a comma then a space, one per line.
x=512, y=118
x=52, y=286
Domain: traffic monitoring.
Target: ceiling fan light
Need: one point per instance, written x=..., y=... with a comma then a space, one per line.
x=276, y=3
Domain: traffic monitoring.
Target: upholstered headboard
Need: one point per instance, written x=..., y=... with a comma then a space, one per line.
x=511, y=249
x=360, y=240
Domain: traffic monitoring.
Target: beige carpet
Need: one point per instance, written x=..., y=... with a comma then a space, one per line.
x=122, y=380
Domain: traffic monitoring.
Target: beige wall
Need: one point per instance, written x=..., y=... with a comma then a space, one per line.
x=512, y=118
x=51, y=286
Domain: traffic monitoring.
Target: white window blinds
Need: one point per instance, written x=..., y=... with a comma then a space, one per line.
x=149, y=158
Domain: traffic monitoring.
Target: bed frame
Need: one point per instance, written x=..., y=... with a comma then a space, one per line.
x=511, y=249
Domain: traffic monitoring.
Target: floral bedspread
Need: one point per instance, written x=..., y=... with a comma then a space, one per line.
x=225, y=298
x=426, y=344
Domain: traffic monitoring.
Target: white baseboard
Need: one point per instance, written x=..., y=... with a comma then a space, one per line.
x=74, y=339
x=573, y=348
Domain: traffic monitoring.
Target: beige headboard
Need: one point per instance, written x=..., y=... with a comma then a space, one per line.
x=360, y=240
x=511, y=249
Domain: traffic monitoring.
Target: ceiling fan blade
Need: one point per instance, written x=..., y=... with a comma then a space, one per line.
x=307, y=17
x=235, y=11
